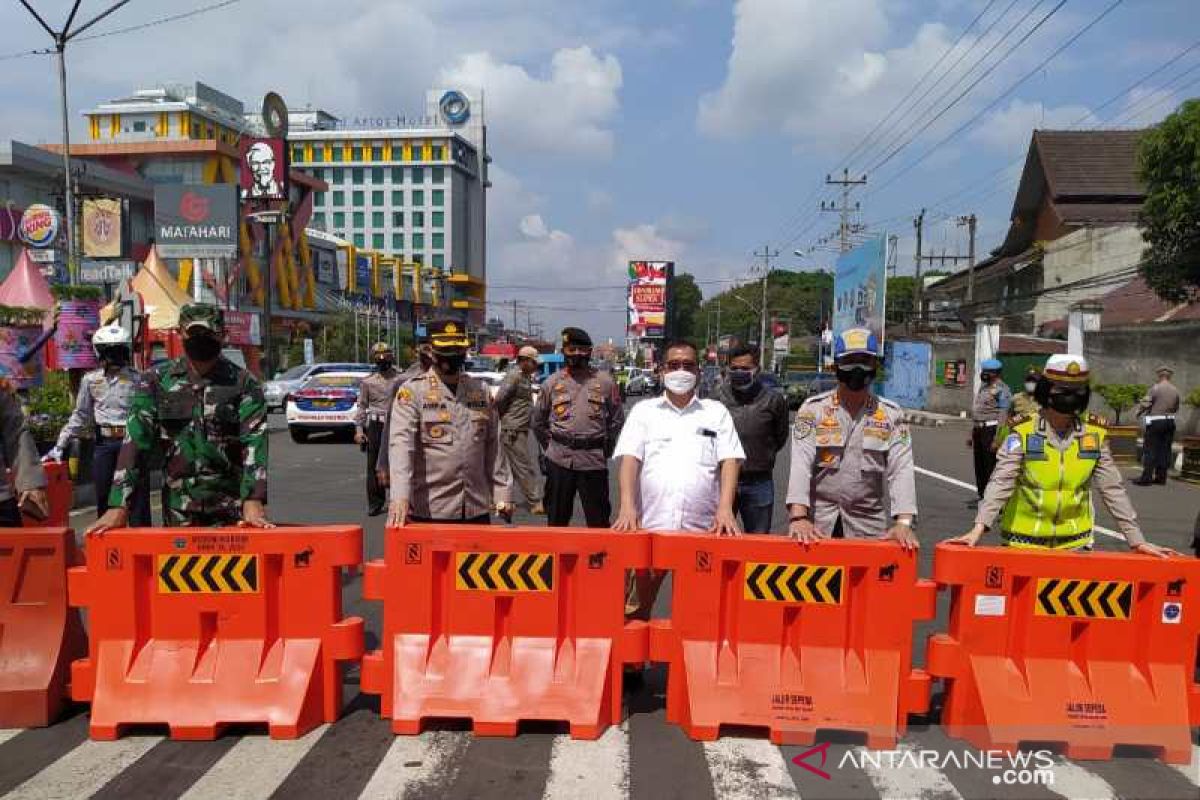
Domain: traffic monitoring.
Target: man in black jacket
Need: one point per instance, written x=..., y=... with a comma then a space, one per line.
x=760, y=415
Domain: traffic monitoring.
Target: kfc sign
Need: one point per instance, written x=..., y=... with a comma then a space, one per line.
x=263, y=174
x=195, y=220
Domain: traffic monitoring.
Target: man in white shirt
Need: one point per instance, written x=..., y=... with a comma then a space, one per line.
x=680, y=458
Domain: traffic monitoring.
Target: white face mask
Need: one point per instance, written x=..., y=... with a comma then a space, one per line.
x=1030, y=386
x=680, y=381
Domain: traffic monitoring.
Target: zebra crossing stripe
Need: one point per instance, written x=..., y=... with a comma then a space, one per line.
x=597, y=770
x=8, y=733
x=1073, y=781
x=899, y=780
x=414, y=763
x=84, y=771
x=1191, y=771
x=748, y=768
x=254, y=768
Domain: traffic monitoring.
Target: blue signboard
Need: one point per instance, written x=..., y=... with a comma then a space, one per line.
x=860, y=288
x=908, y=373
x=362, y=274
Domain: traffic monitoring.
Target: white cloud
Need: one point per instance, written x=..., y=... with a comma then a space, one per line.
x=534, y=227
x=643, y=242
x=1008, y=130
x=1146, y=107
x=565, y=112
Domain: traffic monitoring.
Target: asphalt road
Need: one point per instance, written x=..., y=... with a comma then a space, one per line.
x=643, y=758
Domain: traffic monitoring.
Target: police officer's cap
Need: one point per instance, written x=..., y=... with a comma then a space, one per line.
x=855, y=341
x=576, y=337
x=1067, y=368
x=448, y=335
x=202, y=315
x=991, y=365
x=379, y=348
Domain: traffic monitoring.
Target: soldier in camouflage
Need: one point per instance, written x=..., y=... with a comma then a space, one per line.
x=209, y=418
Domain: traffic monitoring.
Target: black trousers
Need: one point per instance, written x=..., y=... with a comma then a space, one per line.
x=10, y=514
x=982, y=437
x=104, y=464
x=562, y=484
x=1156, y=449
x=376, y=495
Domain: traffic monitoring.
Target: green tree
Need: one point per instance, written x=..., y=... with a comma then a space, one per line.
x=901, y=299
x=1169, y=164
x=1121, y=396
x=685, y=308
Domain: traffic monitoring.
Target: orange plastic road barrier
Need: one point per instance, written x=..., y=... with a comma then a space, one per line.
x=767, y=633
x=1084, y=652
x=500, y=625
x=198, y=628
x=39, y=634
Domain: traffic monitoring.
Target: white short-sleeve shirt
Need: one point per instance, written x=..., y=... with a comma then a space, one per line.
x=681, y=450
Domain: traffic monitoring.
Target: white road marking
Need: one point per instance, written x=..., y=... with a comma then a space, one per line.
x=9, y=733
x=414, y=762
x=253, y=768
x=897, y=776
x=1073, y=781
x=1191, y=771
x=753, y=769
x=84, y=771
x=596, y=770
x=971, y=487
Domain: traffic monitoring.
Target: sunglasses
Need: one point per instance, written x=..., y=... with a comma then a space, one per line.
x=678, y=365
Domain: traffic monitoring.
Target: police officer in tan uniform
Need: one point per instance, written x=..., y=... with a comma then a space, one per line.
x=577, y=420
x=375, y=395
x=988, y=411
x=445, y=456
x=383, y=471
x=514, y=403
x=850, y=450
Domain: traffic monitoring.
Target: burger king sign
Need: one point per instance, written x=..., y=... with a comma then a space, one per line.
x=39, y=226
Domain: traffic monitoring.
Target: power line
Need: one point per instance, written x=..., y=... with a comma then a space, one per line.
x=161, y=21
x=1012, y=88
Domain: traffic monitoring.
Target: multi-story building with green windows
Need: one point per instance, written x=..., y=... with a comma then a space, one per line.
x=412, y=189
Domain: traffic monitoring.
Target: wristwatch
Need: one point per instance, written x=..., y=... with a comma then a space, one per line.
x=800, y=518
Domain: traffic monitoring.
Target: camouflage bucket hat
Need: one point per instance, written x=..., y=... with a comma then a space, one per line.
x=203, y=315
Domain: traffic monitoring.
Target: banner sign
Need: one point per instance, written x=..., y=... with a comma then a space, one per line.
x=242, y=328
x=263, y=173
x=39, y=226
x=362, y=274
x=648, y=298
x=860, y=288
x=195, y=220
x=102, y=272
x=102, y=227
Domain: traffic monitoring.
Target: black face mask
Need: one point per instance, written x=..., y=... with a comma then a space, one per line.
x=743, y=379
x=451, y=365
x=114, y=356
x=384, y=364
x=578, y=361
x=202, y=348
x=855, y=378
x=1069, y=402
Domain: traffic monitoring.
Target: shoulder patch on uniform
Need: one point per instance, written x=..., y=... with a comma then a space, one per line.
x=1012, y=444
x=1095, y=419
x=404, y=394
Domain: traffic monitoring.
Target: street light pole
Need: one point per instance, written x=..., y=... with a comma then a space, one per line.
x=766, y=255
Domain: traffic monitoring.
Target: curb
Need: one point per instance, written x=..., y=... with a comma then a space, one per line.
x=927, y=419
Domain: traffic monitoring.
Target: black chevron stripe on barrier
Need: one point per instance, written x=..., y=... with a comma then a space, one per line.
x=504, y=572
x=215, y=573
x=1071, y=597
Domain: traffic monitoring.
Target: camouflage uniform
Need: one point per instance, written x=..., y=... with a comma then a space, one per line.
x=212, y=431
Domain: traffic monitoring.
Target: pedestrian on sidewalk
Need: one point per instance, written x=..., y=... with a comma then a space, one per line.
x=1157, y=410
x=851, y=450
x=445, y=458
x=760, y=415
x=102, y=407
x=988, y=411
x=576, y=422
x=208, y=418
x=679, y=461
x=1047, y=467
x=375, y=394
x=514, y=404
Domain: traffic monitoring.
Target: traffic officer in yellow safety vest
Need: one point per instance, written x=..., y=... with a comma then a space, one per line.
x=446, y=461
x=1047, y=467
x=850, y=450
x=375, y=394
x=988, y=411
x=102, y=409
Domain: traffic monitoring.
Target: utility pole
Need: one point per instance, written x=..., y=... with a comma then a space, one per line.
x=766, y=255
x=514, y=307
x=845, y=227
x=919, y=224
x=970, y=221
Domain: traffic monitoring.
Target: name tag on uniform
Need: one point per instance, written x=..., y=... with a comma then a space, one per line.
x=1089, y=446
x=706, y=432
x=1035, y=447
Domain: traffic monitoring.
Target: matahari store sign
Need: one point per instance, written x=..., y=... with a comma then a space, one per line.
x=196, y=221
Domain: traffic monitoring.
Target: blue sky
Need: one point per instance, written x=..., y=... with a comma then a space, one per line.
x=689, y=129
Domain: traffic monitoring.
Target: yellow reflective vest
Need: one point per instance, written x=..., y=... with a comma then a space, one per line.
x=1051, y=506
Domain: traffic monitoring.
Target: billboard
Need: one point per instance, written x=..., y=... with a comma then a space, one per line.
x=860, y=287
x=102, y=227
x=647, y=299
x=195, y=220
x=263, y=173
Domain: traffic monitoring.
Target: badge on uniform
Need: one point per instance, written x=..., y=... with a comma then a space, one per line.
x=828, y=457
x=805, y=425
x=1089, y=446
x=1035, y=447
x=404, y=395
x=1012, y=444
x=560, y=410
x=435, y=430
